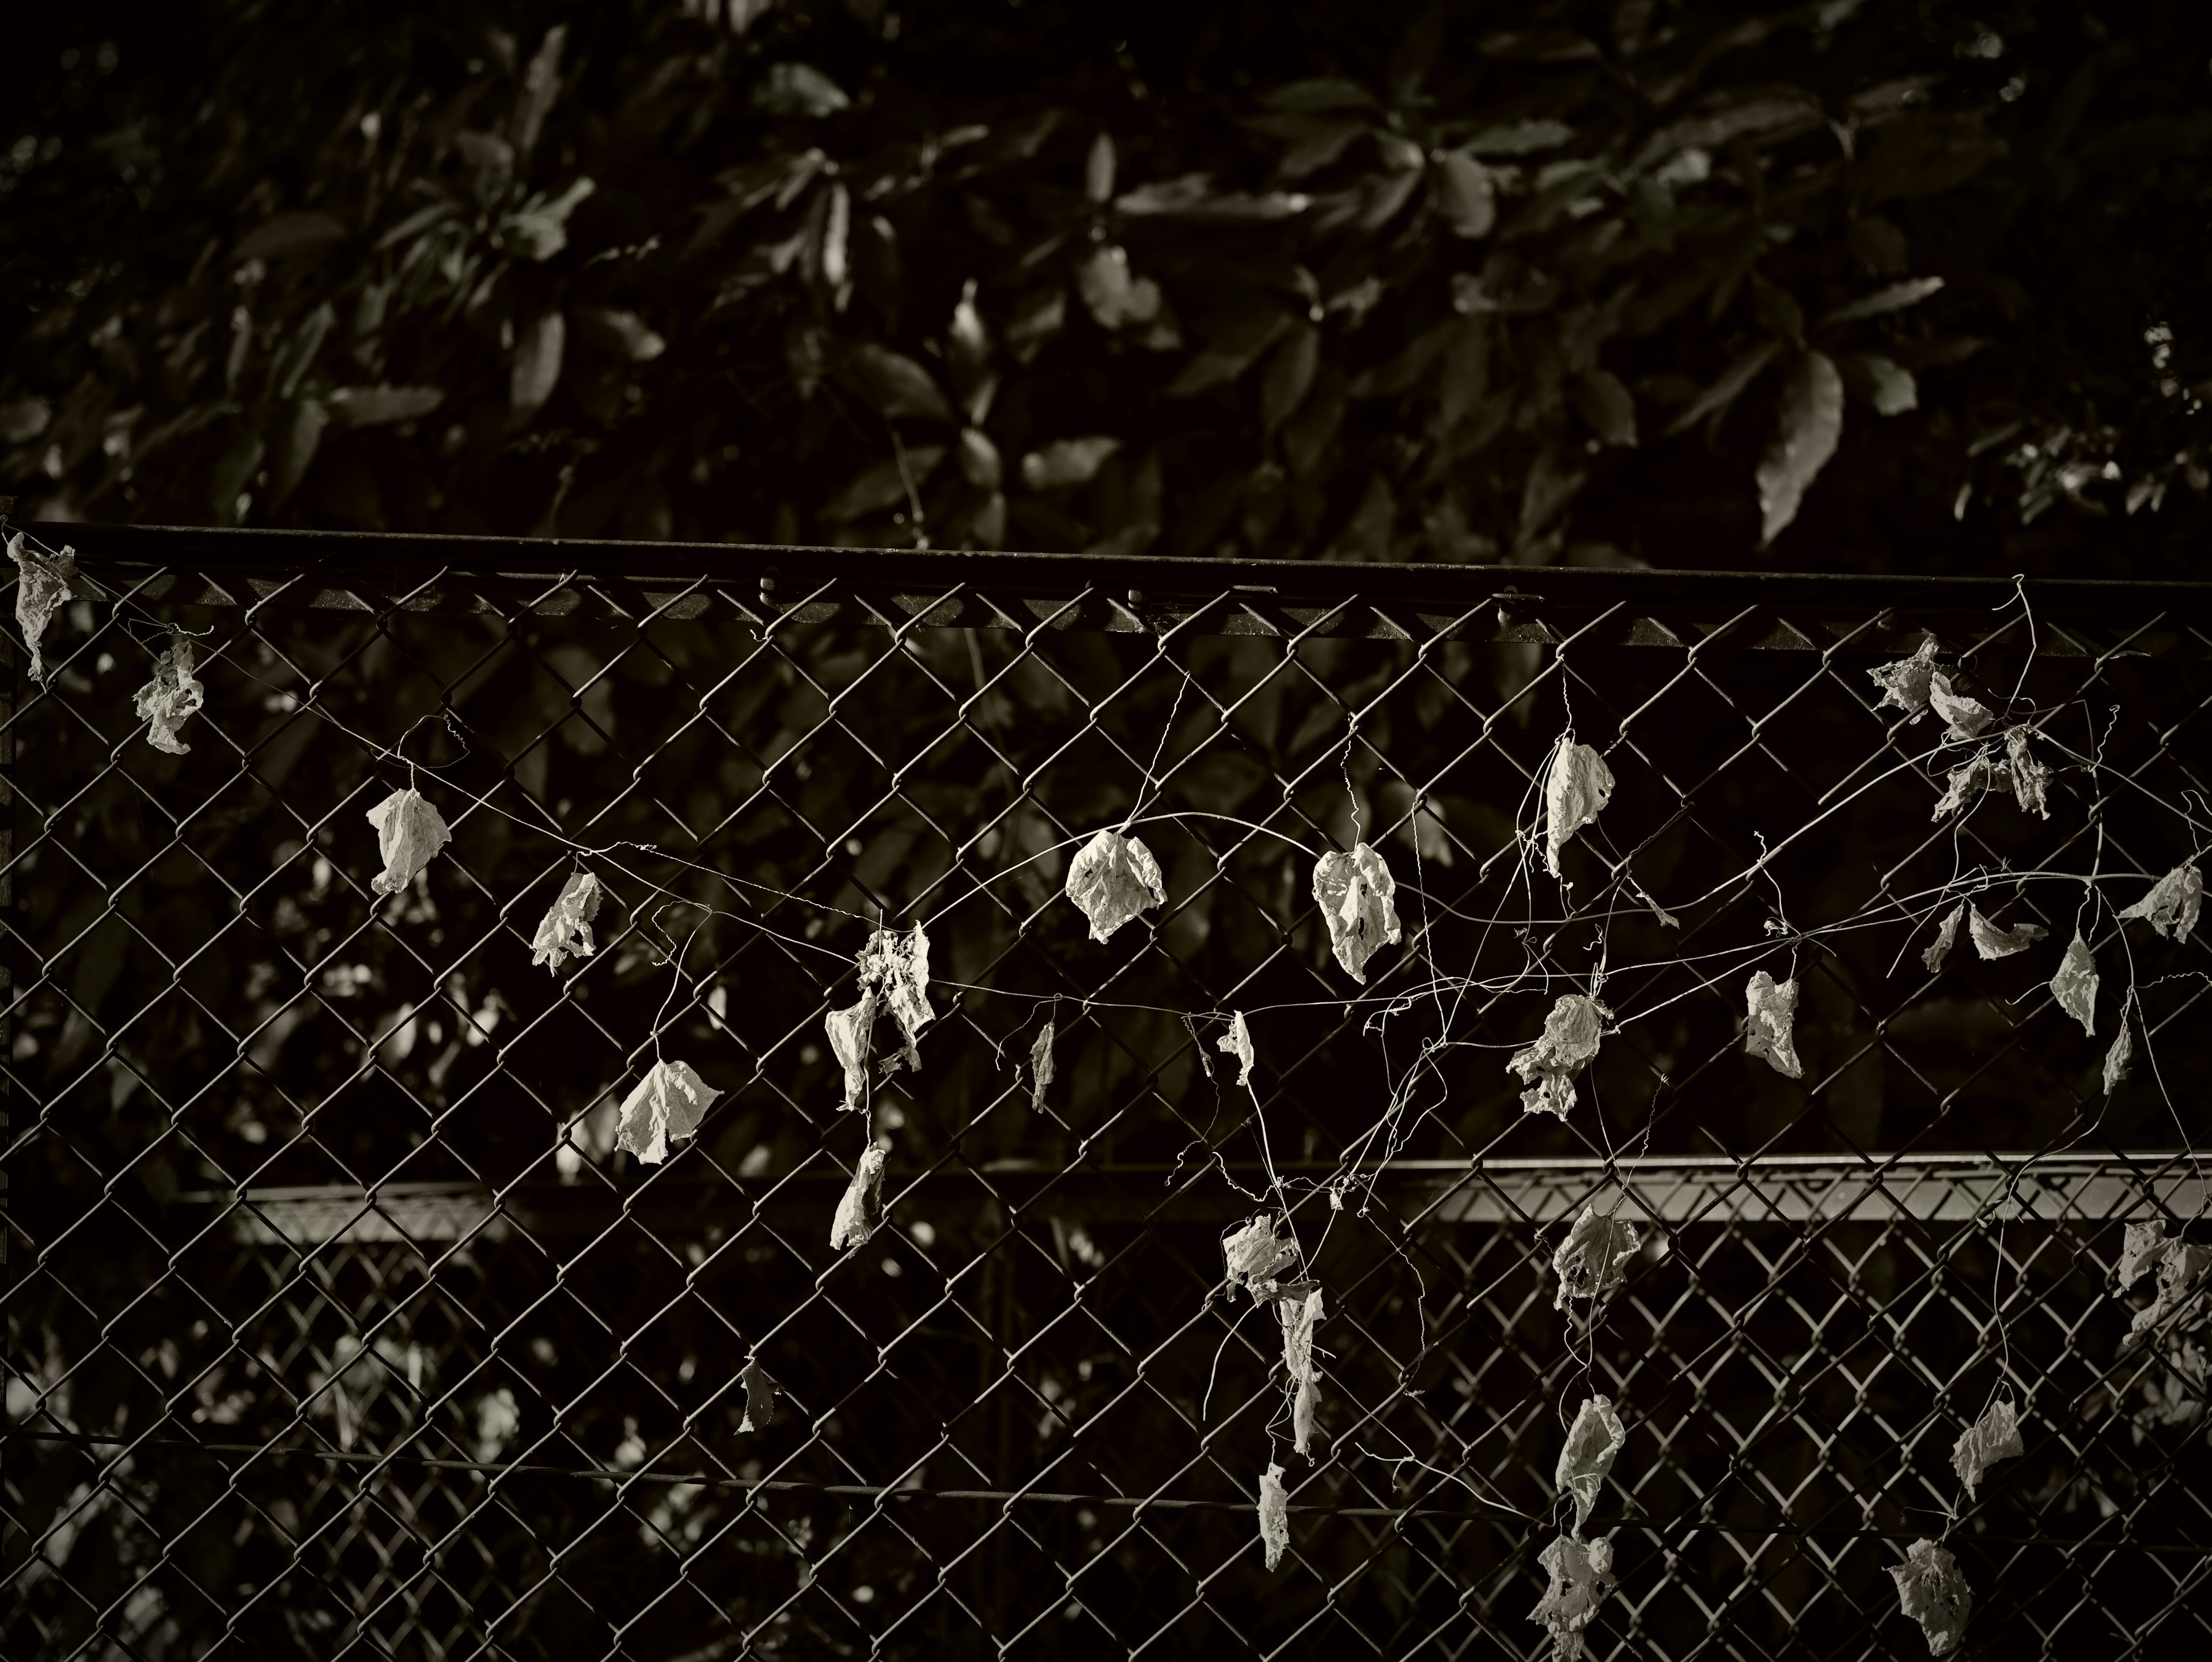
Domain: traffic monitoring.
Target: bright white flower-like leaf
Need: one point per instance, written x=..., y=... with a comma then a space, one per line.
x=1932, y=1591
x=860, y=1207
x=2172, y=906
x=1593, y=1261
x=1946, y=936
x=1237, y=1043
x=565, y=931
x=173, y=697
x=1112, y=880
x=1255, y=1255
x=760, y=1397
x=668, y=1102
x=1593, y=1442
x=2030, y=779
x=1904, y=684
x=1580, y=1579
x=408, y=834
x=1994, y=1437
x=1548, y=1067
x=1992, y=942
x=1040, y=1066
x=1355, y=893
x=2075, y=986
x=1274, y=1515
x=896, y=967
x=1968, y=717
x=1576, y=792
x=42, y=589
x=1771, y=1024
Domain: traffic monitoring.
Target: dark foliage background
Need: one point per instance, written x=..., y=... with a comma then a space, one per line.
x=1525, y=282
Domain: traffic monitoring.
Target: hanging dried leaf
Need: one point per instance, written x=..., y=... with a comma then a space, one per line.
x=2181, y=1267
x=42, y=589
x=1932, y=1592
x=2141, y=1250
x=1355, y=893
x=850, y=1032
x=1904, y=684
x=1580, y=1580
x=1593, y=1261
x=1239, y=1043
x=1592, y=1441
x=860, y=1207
x=565, y=931
x=173, y=697
x=2172, y=906
x=1576, y=792
x=760, y=1397
x=1570, y=1038
x=1946, y=938
x=408, y=834
x=1967, y=716
x=1994, y=1437
x=1274, y=1515
x=1770, y=1028
x=2119, y=1059
x=1255, y=1255
x=1981, y=771
x=895, y=968
x=668, y=1102
x=1992, y=942
x=1040, y=1066
x=2030, y=779
x=2075, y=986
x=1299, y=1317
x=1112, y=880
x=1302, y=1409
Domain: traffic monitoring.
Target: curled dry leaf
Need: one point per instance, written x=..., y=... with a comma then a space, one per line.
x=2172, y=906
x=860, y=1207
x=1592, y=1441
x=668, y=1102
x=1355, y=893
x=1239, y=1043
x=1770, y=1027
x=1968, y=717
x=173, y=697
x=2075, y=986
x=1255, y=1255
x=1299, y=1317
x=565, y=931
x=1992, y=942
x=1576, y=791
x=760, y=1397
x=2016, y=771
x=1302, y=1409
x=1041, y=1067
x=1580, y=1580
x=896, y=967
x=1274, y=1515
x=2181, y=1267
x=2143, y=1248
x=1946, y=936
x=849, y=1032
x=1904, y=684
x=1594, y=1258
x=1932, y=1592
x=2030, y=779
x=1112, y=880
x=1994, y=1437
x=42, y=589
x=2120, y=1057
x=408, y=834
x=1981, y=771
x=1548, y=1067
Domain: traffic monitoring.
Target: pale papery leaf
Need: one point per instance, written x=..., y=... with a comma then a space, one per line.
x=1576, y=791
x=668, y=1102
x=2172, y=906
x=1994, y=1437
x=1579, y=1579
x=1904, y=683
x=849, y=1032
x=895, y=968
x=1593, y=1261
x=860, y=1207
x=1274, y=1515
x=1593, y=1442
x=1112, y=880
x=1967, y=717
x=2075, y=986
x=173, y=697
x=760, y=1397
x=2181, y=1266
x=565, y=931
x=2030, y=779
x=2143, y=1247
x=1992, y=942
x=1946, y=936
x=1303, y=1406
x=1256, y=1254
x=1356, y=897
x=1932, y=1590
x=42, y=589
x=1041, y=1067
x=1299, y=1317
x=1770, y=1025
x=1569, y=1041
x=1979, y=772
x=1237, y=1043
x=410, y=831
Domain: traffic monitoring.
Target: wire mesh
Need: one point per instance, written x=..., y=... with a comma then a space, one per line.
x=338, y=1323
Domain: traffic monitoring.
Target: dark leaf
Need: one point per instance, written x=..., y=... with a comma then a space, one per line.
x=895, y=385
x=289, y=234
x=1600, y=400
x=799, y=89
x=1812, y=421
x=1230, y=351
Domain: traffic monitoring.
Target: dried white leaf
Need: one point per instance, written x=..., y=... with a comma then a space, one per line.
x=1299, y=1317
x=1570, y=1038
x=860, y=1207
x=408, y=834
x=1592, y=1441
x=2181, y=1267
x=850, y=1032
x=1968, y=717
x=1994, y=1437
x=1992, y=942
x=1576, y=791
x=668, y=1102
x=1593, y=1261
x=2030, y=779
x=2119, y=1059
x=760, y=1397
x=2174, y=1396
x=1947, y=937
x=1770, y=1027
x=1904, y=683
x=1979, y=772
x=1932, y=1592
x=1274, y=1515
x=42, y=589
x=173, y=697
x=565, y=931
x=1580, y=1579
x=1256, y=1254
x=1355, y=893
x=2075, y=986
x=1303, y=1408
x=2143, y=1248
x=1239, y=1043
x=2172, y=906
x=896, y=967
x=1041, y=1067
x=1112, y=880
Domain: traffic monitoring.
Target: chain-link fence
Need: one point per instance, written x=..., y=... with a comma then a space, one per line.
x=338, y=1323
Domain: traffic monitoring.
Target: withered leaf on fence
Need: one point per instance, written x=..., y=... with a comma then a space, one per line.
x=173, y=697
x=2075, y=986
x=860, y=1207
x=668, y=1102
x=1593, y=1442
x=1946, y=936
x=1303, y=1407
x=1299, y=1317
x=1548, y=1067
x=850, y=1031
x=42, y=589
x=1579, y=1580
x=1968, y=717
x=896, y=967
x=1576, y=792
x=408, y=834
x=1592, y=1262
x=2030, y=779
x=1040, y=1066
x=2181, y=1266
x=760, y=1397
x=1770, y=1026
x=1237, y=1043
x=2119, y=1058
x=1992, y=942
x=1355, y=892
x=1994, y=1437
x=2143, y=1247
x=1256, y=1254
x=1274, y=1515
x=565, y=931
x=2172, y=906
x=1112, y=880
x=1932, y=1591
x=1904, y=684
x=1979, y=772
